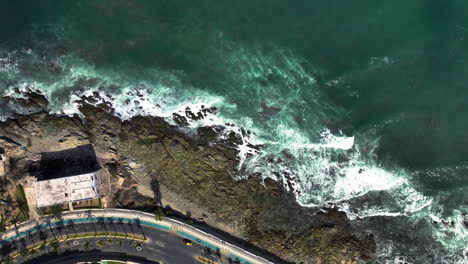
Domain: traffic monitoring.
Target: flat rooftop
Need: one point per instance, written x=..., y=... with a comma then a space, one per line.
x=68, y=189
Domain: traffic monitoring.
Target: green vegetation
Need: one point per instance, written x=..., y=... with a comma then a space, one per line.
x=22, y=203
x=168, y=212
x=14, y=221
x=42, y=246
x=102, y=234
x=54, y=211
x=6, y=260
x=55, y=244
x=190, y=222
x=159, y=215
x=86, y=245
x=24, y=253
x=100, y=243
x=33, y=251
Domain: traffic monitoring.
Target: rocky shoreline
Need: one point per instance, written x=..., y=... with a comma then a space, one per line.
x=153, y=165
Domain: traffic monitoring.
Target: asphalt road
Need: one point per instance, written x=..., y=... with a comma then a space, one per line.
x=160, y=247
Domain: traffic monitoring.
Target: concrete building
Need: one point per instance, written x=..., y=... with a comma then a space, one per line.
x=69, y=189
x=67, y=177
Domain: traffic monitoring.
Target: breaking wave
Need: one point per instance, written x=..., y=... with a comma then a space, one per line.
x=269, y=99
x=320, y=166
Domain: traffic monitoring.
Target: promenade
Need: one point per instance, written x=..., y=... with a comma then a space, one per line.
x=156, y=232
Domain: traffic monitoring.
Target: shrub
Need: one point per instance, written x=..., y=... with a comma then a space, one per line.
x=159, y=215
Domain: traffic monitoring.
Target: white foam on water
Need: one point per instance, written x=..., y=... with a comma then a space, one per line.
x=451, y=230
x=314, y=175
x=132, y=98
x=327, y=169
x=320, y=167
x=400, y=200
x=9, y=62
x=332, y=171
x=388, y=250
x=328, y=140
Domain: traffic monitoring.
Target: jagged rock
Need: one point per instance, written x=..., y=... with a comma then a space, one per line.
x=180, y=120
x=32, y=99
x=162, y=166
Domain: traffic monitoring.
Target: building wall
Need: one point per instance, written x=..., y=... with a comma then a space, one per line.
x=2, y=165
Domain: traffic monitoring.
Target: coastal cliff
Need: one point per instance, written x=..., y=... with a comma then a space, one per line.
x=153, y=164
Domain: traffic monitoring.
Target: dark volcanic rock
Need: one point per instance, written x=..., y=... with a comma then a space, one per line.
x=32, y=99
x=180, y=120
x=162, y=166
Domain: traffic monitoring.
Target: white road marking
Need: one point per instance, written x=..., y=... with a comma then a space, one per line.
x=154, y=249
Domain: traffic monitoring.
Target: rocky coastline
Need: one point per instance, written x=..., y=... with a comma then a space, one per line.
x=154, y=165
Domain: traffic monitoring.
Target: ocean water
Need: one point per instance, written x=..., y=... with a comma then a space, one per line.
x=358, y=105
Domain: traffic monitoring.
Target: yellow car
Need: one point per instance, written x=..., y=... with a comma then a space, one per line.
x=187, y=242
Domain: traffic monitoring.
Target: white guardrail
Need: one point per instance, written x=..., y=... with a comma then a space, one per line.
x=174, y=226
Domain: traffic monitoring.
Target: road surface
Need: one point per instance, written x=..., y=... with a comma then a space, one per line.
x=162, y=240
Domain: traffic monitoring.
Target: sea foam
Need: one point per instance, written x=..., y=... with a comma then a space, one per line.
x=323, y=167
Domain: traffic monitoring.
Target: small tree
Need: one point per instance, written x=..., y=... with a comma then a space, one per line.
x=168, y=212
x=33, y=251
x=42, y=246
x=86, y=245
x=24, y=253
x=55, y=245
x=14, y=221
x=56, y=211
x=190, y=222
x=6, y=260
x=100, y=243
x=109, y=241
x=159, y=215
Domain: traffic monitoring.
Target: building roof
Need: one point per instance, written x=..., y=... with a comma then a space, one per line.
x=67, y=189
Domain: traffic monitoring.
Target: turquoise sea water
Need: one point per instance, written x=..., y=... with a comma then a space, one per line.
x=360, y=105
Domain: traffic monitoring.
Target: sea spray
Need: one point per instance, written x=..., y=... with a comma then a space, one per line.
x=318, y=166
x=272, y=100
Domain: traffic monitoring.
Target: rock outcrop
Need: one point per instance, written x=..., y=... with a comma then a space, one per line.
x=154, y=164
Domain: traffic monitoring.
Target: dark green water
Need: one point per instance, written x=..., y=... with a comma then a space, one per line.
x=363, y=103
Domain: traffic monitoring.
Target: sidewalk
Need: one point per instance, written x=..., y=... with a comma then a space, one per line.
x=167, y=224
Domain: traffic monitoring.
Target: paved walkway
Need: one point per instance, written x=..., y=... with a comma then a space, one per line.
x=146, y=219
x=30, y=194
